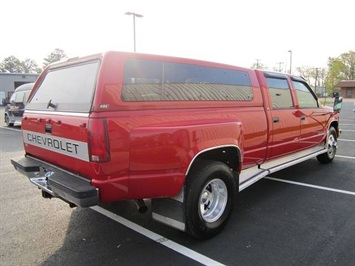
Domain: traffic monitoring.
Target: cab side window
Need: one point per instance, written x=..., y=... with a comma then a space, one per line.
x=306, y=98
x=280, y=93
x=154, y=80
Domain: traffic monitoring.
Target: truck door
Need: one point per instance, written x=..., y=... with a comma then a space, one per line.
x=284, y=124
x=313, y=118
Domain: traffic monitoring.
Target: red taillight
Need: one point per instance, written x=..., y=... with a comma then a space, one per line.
x=98, y=141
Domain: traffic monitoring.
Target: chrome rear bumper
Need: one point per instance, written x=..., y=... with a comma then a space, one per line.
x=57, y=182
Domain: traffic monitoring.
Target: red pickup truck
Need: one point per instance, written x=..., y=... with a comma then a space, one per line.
x=186, y=134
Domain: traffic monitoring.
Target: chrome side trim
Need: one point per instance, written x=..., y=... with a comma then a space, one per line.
x=56, y=113
x=250, y=176
x=292, y=159
x=254, y=174
x=210, y=149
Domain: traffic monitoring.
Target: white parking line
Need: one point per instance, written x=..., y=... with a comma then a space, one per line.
x=312, y=186
x=349, y=140
x=157, y=238
x=346, y=157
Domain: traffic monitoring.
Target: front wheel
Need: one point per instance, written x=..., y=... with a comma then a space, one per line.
x=7, y=121
x=210, y=191
x=332, y=145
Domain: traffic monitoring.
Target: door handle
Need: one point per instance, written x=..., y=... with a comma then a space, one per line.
x=275, y=119
x=303, y=117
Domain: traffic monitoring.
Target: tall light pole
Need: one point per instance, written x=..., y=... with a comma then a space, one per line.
x=134, y=25
x=290, y=51
x=315, y=81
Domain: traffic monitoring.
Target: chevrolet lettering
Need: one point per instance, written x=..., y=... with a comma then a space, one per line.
x=186, y=135
x=76, y=149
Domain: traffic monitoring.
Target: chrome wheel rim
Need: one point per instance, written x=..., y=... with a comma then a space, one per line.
x=213, y=200
x=332, y=143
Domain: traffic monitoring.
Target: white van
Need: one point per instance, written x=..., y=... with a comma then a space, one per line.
x=14, y=110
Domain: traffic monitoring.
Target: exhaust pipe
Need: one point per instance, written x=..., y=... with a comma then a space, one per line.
x=141, y=206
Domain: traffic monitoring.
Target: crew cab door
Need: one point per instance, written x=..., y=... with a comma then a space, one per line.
x=313, y=118
x=285, y=123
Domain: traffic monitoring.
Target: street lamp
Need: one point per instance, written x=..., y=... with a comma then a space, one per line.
x=315, y=81
x=290, y=51
x=134, y=25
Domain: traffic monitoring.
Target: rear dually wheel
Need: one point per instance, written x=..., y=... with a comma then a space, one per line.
x=210, y=191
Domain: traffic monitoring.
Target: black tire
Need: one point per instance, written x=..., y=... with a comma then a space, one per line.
x=209, y=184
x=7, y=121
x=331, y=143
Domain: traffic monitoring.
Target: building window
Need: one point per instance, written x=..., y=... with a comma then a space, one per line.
x=349, y=93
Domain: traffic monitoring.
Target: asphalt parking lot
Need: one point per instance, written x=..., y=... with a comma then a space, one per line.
x=303, y=215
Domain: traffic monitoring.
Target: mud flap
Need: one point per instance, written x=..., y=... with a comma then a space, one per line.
x=170, y=211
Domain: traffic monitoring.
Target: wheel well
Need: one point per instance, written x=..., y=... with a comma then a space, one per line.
x=335, y=124
x=228, y=155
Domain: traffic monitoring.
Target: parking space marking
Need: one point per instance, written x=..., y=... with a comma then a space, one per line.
x=346, y=157
x=349, y=140
x=157, y=238
x=311, y=186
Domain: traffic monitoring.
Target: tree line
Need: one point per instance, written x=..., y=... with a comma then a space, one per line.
x=339, y=68
x=12, y=64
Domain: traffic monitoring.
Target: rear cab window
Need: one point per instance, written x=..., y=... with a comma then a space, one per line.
x=66, y=89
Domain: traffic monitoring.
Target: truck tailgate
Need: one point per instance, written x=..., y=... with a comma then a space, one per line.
x=57, y=139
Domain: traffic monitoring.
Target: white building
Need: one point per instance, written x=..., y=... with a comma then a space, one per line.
x=10, y=81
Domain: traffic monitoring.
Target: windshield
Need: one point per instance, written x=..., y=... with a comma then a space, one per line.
x=19, y=97
x=66, y=89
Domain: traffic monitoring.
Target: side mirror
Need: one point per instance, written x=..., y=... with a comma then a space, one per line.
x=337, y=104
x=335, y=94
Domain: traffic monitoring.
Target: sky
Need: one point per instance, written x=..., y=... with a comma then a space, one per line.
x=237, y=32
